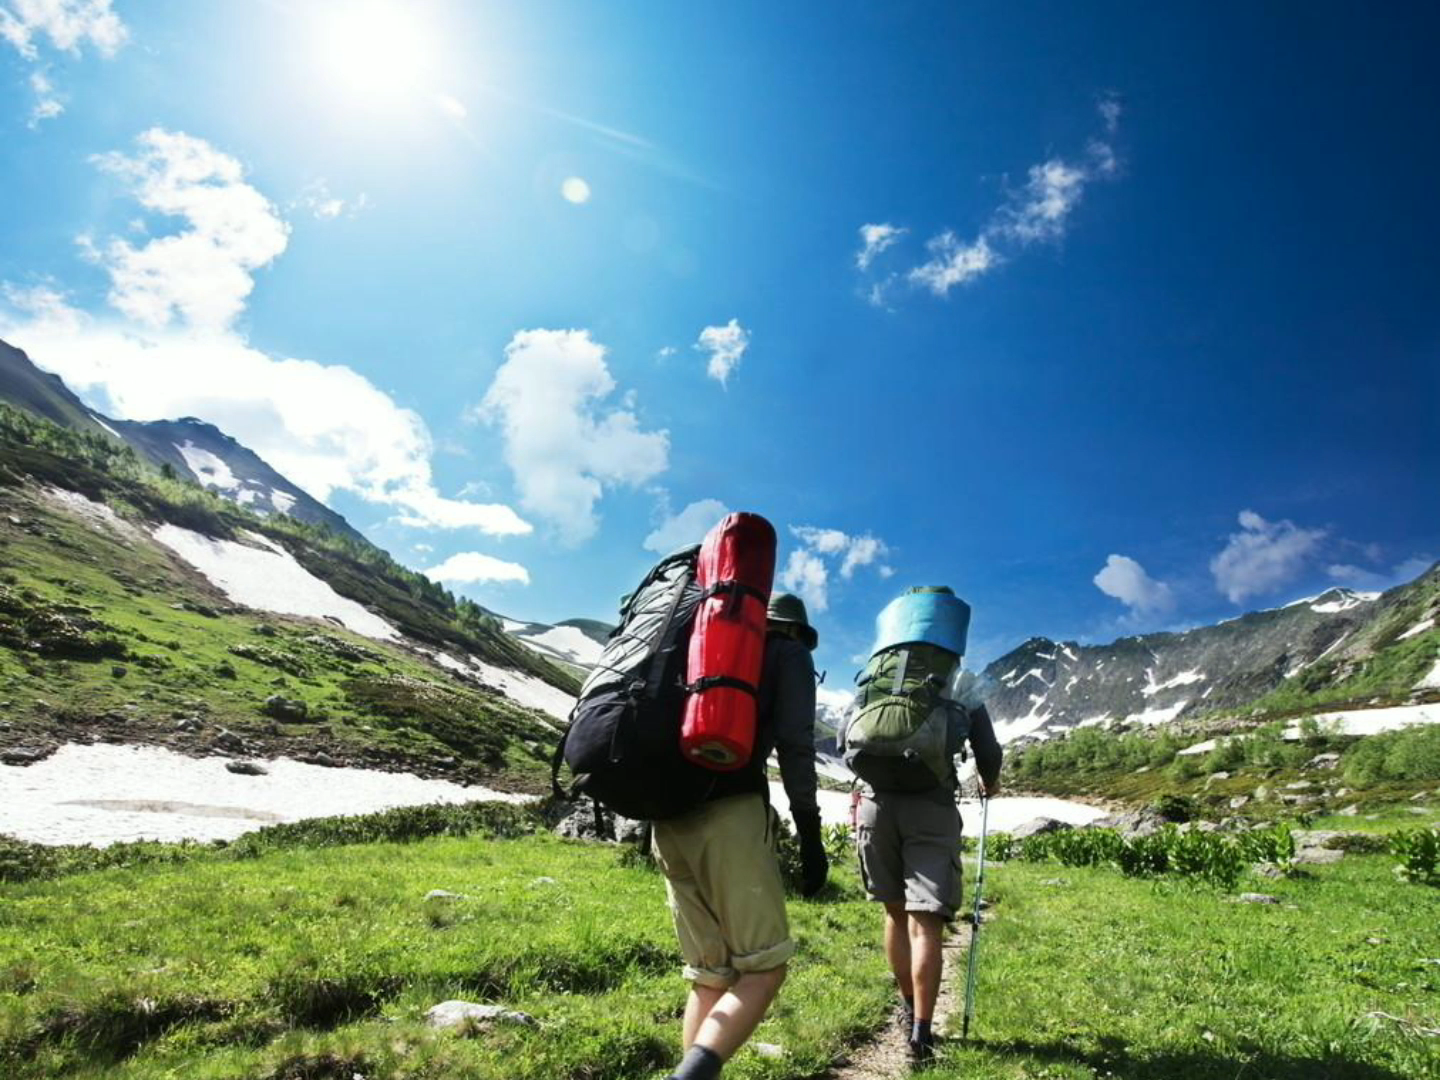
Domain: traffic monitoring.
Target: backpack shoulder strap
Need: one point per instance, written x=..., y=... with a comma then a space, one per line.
x=898, y=687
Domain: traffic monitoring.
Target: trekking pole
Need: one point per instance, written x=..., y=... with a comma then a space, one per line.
x=975, y=921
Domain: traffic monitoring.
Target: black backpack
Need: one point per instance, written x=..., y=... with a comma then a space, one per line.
x=623, y=743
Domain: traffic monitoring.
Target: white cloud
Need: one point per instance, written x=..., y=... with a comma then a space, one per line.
x=320, y=202
x=807, y=576
x=665, y=352
x=68, y=26
x=1364, y=578
x=689, y=526
x=202, y=274
x=874, y=239
x=807, y=571
x=953, y=263
x=1110, y=111
x=1051, y=192
x=1126, y=580
x=726, y=345
x=323, y=426
x=562, y=444
x=1263, y=556
x=1039, y=212
x=471, y=568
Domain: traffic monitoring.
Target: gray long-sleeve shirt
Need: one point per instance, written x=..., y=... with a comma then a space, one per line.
x=785, y=723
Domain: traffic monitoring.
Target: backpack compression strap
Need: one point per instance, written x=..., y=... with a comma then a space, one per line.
x=709, y=682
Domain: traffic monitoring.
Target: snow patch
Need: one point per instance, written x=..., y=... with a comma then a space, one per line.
x=282, y=501
x=1151, y=717
x=1101, y=719
x=527, y=690
x=1066, y=650
x=208, y=469
x=1419, y=628
x=1346, y=601
x=1185, y=678
x=95, y=514
x=107, y=427
x=1199, y=748
x=1372, y=721
x=103, y=794
x=268, y=578
x=569, y=642
x=1431, y=681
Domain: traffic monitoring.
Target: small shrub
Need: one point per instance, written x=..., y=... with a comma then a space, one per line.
x=1419, y=853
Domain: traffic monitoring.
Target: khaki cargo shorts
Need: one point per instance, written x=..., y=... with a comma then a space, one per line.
x=909, y=849
x=725, y=889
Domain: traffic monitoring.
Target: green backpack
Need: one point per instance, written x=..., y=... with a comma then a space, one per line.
x=899, y=736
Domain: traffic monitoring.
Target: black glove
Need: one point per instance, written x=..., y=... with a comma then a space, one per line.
x=814, y=863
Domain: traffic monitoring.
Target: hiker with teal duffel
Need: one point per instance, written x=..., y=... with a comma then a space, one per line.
x=900, y=739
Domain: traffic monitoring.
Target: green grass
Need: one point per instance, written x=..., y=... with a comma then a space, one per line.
x=320, y=962
x=1105, y=976
x=243, y=969
x=184, y=653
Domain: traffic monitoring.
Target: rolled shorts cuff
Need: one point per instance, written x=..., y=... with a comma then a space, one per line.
x=926, y=907
x=766, y=959
x=715, y=978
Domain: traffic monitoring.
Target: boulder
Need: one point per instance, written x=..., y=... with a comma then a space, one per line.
x=286, y=710
x=1323, y=761
x=444, y=894
x=1038, y=827
x=245, y=768
x=26, y=755
x=1132, y=823
x=1318, y=856
x=1353, y=810
x=467, y=1016
x=227, y=742
x=580, y=824
x=119, y=671
x=319, y=757
x=1257, y=898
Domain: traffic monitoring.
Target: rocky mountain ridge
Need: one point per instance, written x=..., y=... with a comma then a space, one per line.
x=1311, y=648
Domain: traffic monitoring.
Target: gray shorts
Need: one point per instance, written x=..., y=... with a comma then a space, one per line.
x=910, y=851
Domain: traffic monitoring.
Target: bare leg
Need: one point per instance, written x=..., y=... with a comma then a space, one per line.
x=734, y=1017
x=927, y=933
x=897, y=948
x=697, y=1007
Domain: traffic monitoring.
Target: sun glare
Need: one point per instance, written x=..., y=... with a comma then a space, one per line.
x=376, y=52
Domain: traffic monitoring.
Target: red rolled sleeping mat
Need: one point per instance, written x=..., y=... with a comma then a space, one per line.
x=727, y=645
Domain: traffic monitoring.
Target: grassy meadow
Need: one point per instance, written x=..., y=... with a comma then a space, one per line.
x=283, y=959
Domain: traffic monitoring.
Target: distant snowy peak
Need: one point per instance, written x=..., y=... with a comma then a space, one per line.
x=1044, y=687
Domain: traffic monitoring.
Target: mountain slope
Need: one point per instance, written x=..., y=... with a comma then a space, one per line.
x=189, y=447
x=1334, y=647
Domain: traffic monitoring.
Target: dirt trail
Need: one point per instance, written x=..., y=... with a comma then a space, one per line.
x=887, y=1055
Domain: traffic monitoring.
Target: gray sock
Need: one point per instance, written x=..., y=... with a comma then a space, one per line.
x=699, y=1063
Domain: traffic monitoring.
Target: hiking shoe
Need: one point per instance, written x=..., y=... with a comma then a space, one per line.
x=922, y=1052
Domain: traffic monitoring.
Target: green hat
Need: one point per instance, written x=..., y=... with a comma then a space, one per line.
x=789, y=609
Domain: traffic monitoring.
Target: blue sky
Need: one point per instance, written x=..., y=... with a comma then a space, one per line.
x=1146, y=332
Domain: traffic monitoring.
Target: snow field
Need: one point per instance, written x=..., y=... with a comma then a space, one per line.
x=267, y=577
x=104, y=794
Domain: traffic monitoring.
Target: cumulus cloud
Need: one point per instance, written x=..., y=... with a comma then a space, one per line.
x=1038, y=212
x=1262, y=556
x=563, y=444
x=473, y=568
x=1126, y=580
x=1362, y=577
x=808, y=568
x=67, y=26
x=689, y=526
x=725, y=345
x=357, y=440
x=202, y=274
x=874, y=239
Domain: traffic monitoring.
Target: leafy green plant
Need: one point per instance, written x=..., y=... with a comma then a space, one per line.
x=1419, y=853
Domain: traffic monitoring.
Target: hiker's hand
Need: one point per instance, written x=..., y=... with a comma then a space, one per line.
x=814, y=863
x=991, y=789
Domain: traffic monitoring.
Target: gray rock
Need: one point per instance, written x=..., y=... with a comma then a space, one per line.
x=1058, y=881
x=26, y=755
x=119, y=671
x=319, y=757
x=444, y=894
x=1216, y=777
x=1238, y=801
x=1323, y=761
x=1133, y=823
x=1257, y=898
x=286, y=709
x=1038, y=827
x=540, y=882
x=1300, y=785
x=1318, y=856
x=579, y=824
x=1353, y=810
x=467, y=1016
x=246, y=768
x=189, y=723
x=228, y=742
